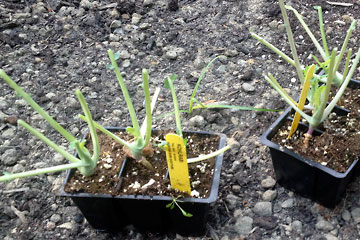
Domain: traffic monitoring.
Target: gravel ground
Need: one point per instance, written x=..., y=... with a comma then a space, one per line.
x=50, y=48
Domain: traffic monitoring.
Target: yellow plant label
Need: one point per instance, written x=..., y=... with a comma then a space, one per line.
x=303, y=95
x=177, y=163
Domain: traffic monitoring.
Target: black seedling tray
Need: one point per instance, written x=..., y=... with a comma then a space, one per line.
x=148, y=213
x=302, y=175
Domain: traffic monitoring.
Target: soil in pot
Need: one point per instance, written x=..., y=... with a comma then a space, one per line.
x=105, y=179
x=338, y=146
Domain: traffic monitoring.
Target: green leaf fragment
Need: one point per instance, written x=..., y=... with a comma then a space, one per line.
x=131, y=131
x=117, y=55
x=109, y=66
x=317, y=97
x=172, y=78
x=186, y=214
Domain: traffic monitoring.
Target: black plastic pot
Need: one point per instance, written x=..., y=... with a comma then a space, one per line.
x=148, y=213
x=302, y=175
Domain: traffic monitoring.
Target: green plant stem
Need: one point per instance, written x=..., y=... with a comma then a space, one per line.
x=311, y=35
x=199, y=81
x=176, y=107
x=316, y=119
x=81, y=150
x=207, y=156
x=107, y=132
x=274, y=49
x=147, y=107
x=153, y=103
x=340, y=92
x=346, y=67
x=323, y=35
x=186, y=214
x=51, y=144
x=36, y=107
x=8, y=177
x=292, y=42
x=342, y=51
x=272, y=81
x=235, y=107
x=125, y=92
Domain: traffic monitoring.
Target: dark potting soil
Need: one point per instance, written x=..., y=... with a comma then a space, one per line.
x=338, y=146
x=105, y=178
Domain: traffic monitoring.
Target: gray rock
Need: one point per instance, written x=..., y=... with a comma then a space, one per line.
x=50, y=95
x=236, y=188
x=243, y=225
x=148, y=3
x=57, y=184
x=269, y=195
x=126, y=63
x=273, y=24
x=90, y=20
x=114, y=13
x=71, y=102
x=54, y=3
x=58, y=158
x=236, y=164
x=355, y=213
x=124, y=54
x=263, y=208
x=9, y=157
x=323, y=225
x=8, y=133
x=85, y=4
x=329, y=236
x=197, y=121
x=115, y=24
x=3, y=103
x=221, y=69
x=238, y=213
x=231, y=53
x=281, y=27
x=135, y=18
x=144, y=26
x=231, y=200
x=50, y=226
x=55, y=218
x=18, y=168
x=296, y=226
x=68, y=225
x=199, y=63
x=268, y=182
x=346, y=215
x=114, y=37
x=3, y=117
x=247, y=87
x=235, y=121
x=288, y=203
x=171, y=54
x=39, y=9
x=20, y=102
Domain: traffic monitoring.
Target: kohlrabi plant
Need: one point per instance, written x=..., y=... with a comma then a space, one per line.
x=141, y=135
x=323, y=50
x=317, y=94
x=169, y=83
x=85, y=162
